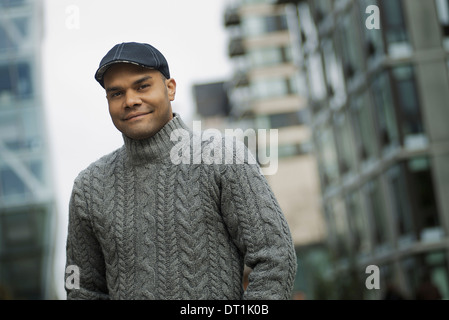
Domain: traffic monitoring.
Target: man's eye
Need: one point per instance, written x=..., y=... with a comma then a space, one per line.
x=143, y=86
x=115, y=94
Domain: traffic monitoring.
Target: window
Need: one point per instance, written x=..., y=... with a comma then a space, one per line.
x=427, y=266
x=276, y=23
x=436, y=262
x=15, y=34
x=273, y=87
x=291, y=150
x=327, y=156
x=256, y=1
x=22, y=229
x=334, y=74
x=270, y=56
x=340, y=225
x=23, y=273
x=358, y=224
x=37, y=169
x=17, y=230
x=322, y=8
x=339, y=4
x=384, y=111
x=22, y=239
x=443, y=16
x=315, y=76
x=422, y=198
x=349, y=46
x=364, y=134
x=255, y=25
x=23, y=144
x=281, y=120
x=400, y=200
x=395, y=29
x=6, y=42
x=11, y=183
x=410, y=117
x=344, y=143
x=15, y=80
x=376, y=207
x=20, y=130
x=11, y=3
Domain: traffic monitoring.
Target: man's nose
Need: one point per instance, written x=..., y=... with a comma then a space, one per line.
x=132, y=100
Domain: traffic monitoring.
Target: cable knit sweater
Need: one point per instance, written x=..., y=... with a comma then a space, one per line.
x=142, y=227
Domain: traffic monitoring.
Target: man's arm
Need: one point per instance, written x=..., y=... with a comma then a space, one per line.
x=258, y=227
x=83, y=250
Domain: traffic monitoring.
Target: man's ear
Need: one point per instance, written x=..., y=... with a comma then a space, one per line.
x=171, y=88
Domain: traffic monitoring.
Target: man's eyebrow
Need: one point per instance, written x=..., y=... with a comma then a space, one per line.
x=139, y=81
x=113, y=89
x=142, y=80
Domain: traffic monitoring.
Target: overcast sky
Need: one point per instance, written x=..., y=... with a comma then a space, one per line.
x=77, y=34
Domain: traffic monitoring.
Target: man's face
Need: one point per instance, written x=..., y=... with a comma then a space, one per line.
x=139, y=99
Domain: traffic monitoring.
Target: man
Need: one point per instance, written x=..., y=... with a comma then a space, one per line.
x=143, y=227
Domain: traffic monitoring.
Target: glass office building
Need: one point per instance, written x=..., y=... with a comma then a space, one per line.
x=27, y=209
x=378, y=99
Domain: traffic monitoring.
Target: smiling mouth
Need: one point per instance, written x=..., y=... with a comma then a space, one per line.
x=137, y=116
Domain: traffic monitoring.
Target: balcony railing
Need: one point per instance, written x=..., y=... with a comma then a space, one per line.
x=236, y=47
x=231, y=17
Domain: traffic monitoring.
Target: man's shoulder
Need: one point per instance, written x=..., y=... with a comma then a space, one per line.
x=102, y=165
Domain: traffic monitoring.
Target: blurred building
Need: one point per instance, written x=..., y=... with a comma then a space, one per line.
x=212, y=105
x=268, y=92
x=26, y=199
x=379, y=99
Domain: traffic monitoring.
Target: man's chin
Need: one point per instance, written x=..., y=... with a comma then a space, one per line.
x=141, y=134
x=143, y=129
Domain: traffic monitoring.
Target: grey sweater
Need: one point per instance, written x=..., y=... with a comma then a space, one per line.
x=142, y=227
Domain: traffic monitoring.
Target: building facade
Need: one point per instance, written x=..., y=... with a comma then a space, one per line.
x=27, y=210
x=378, y=93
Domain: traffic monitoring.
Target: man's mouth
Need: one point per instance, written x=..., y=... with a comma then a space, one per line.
x=136, y=115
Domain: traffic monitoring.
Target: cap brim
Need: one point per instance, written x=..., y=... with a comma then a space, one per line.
x=99, y=75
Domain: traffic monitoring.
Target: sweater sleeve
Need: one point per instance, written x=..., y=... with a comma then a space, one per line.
x=83, y=251
x=259, y=229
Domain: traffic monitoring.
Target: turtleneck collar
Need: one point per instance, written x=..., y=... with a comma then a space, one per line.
x=156, y=148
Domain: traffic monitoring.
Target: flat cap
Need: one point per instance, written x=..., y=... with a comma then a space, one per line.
x=142, y=54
